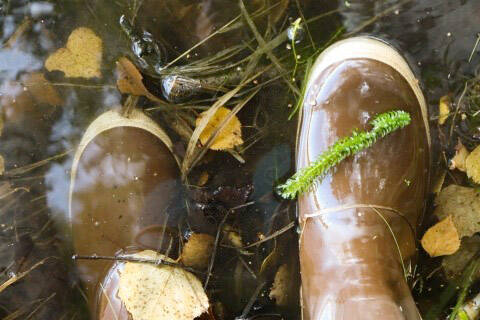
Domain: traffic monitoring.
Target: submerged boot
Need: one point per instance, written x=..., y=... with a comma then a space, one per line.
x=359, y=222
x=123, y=178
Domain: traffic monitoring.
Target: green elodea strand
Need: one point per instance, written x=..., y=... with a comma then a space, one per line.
x=382, y=125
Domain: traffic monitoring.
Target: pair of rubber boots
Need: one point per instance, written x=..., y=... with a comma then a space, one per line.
x=357, y=225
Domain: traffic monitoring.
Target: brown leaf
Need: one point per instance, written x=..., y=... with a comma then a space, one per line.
x=80, y=58
x=129, y=80
x=230, y=135
x=441, y=239
x=197, y=251
x=42, y=91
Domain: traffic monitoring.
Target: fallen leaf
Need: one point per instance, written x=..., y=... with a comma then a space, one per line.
x=15, y=102
x=232, y=236
x=129, y=80
x=228, y=137
x=42, y=91
x=81, y=57
x=197, y=251
x=281, y=286
x=454, y=264
x=472, y=165
x=441, y=239
x=463, y=204
x=459, y=160
x=160, y=292
x=443, y=109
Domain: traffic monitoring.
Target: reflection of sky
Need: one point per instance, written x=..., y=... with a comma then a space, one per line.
x=14, y=61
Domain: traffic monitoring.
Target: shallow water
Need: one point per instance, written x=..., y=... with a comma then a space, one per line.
x=437, y=37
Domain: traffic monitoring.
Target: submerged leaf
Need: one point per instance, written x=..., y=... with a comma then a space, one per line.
x=472, y=165
x=281, y=286
x=197, y=251
x=80, y=58
x=441, y=239
x=459, y=160
x=228, y=137
x=454, y=264
x=42, y=91
x=129, y=80
x=160, y=292
x=443, y=109
x=463, y=204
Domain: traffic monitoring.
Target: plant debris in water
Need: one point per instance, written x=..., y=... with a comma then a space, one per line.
x=80, y=58
x=382, y=125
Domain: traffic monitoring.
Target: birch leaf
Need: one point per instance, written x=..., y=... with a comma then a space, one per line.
x=472, y=165
x=160, y=292
x=80, y=58
x=229, y=136
x=441, y=239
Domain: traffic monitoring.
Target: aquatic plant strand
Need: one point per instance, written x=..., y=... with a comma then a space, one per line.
x=382, y=125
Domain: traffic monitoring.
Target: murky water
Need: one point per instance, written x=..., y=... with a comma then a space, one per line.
x=437, y=37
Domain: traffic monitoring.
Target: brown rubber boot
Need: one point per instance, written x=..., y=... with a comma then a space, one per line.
x=359, y=222
x=123, y=178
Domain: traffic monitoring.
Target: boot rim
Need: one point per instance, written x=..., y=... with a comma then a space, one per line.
x=369, y=47
x=110, y=120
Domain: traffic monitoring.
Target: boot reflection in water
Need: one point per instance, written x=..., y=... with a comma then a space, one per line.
x=124, y=177
x=350, y=263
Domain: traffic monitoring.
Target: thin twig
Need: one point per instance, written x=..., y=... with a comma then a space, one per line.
x=123, y=258
x=252, y=300
x=214, y=251
x=267, y=238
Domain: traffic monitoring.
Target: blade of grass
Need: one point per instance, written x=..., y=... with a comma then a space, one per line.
x=468, y=278
x=262, y=43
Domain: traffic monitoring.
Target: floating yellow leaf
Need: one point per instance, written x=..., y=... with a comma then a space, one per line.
x=459, y=160
x=443, y=109
x=472, y=165
x=197, y=251
x=160, y=292
x=129, y=80
x=81, y=57
x=441, y=239
x=228, y=137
